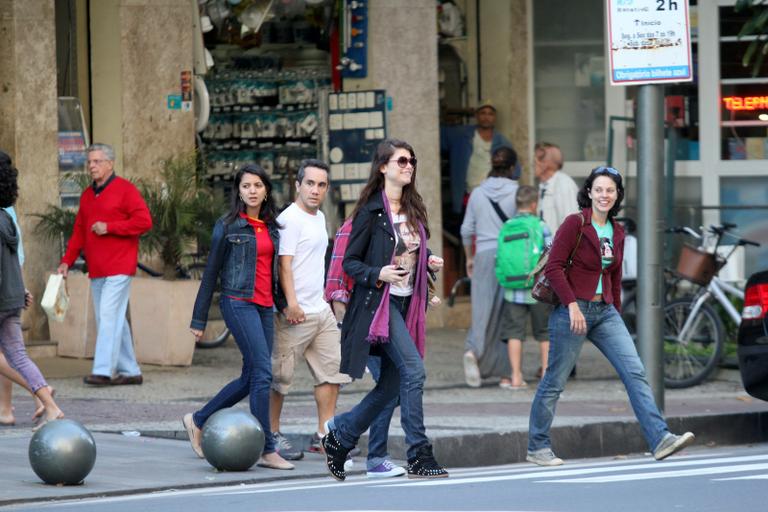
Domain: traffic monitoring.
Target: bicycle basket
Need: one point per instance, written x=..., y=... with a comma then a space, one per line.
x=697, y=265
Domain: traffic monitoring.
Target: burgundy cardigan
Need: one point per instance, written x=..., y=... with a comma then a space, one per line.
x=581, y=279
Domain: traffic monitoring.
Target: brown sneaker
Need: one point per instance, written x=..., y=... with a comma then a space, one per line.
x=127, y=380
x=97, y=380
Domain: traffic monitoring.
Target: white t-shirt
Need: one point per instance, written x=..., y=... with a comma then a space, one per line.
x=304, y=237
x=479, y=162
x=407, y=242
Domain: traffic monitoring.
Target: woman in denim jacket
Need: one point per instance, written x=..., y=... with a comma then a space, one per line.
x=243, y=258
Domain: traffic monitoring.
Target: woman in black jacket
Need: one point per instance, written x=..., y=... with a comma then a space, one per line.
x=243, y=257
x=388, y=259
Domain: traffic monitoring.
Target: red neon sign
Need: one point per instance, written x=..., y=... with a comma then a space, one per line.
x=746, y=102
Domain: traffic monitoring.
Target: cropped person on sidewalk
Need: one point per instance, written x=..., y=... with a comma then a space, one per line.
x=387, y=309
x=13, y=298
x=7, y=417
x=305, y=326
x=243, y=259
x=519, y=305
x=111, y=217
x=338, y=286
x=590, y=294
x=490, y=205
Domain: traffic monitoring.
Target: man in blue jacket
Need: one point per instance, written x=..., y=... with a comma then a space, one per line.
x=469, y=149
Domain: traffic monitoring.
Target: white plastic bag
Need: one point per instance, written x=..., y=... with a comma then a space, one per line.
x=55, y=301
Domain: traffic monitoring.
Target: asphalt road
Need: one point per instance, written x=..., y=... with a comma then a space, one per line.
x=703, y=479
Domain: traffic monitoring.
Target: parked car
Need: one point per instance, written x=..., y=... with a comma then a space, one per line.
x=753, y=336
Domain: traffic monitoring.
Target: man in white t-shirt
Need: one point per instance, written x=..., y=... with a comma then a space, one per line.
x=307, y=326
x=557, y=190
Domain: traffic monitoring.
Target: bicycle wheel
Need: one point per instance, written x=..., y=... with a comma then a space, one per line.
x=687, y=362
x=216, y=332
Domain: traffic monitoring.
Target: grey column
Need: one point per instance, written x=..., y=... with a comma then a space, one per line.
x=650, y=161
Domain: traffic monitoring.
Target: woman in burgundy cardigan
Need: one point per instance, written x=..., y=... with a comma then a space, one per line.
x=589, y=289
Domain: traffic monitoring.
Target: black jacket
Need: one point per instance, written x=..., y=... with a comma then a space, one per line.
x=371, y=246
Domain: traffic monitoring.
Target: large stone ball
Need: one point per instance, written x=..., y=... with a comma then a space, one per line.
x=62, y=452
x=232, y=440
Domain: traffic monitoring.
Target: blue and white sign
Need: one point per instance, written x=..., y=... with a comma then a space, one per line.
x=649, y=41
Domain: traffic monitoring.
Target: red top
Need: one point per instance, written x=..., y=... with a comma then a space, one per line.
x=116, y=253
x=582, y=277
x=265, y=251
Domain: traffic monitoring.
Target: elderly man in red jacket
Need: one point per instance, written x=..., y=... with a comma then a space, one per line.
x=111, y=217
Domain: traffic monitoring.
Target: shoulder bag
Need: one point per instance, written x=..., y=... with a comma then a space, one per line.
x=542, y=289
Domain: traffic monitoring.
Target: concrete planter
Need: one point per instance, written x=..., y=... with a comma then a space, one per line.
x=160, y=315
x=76, y=335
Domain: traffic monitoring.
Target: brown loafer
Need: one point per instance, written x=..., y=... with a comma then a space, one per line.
x=127, y=380
x=97, y=380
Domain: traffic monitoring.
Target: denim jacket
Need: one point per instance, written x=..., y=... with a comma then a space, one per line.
x=232, y=260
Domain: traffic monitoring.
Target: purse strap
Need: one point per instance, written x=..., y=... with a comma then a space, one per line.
x=578, y=239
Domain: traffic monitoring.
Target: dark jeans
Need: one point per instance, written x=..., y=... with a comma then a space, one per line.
x=379, y=432
x=402, y=372
x=252, y=327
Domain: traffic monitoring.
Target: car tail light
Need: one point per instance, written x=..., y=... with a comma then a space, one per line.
x=755, y=302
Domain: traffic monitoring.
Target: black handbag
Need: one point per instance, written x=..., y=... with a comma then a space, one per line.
x=542, y=289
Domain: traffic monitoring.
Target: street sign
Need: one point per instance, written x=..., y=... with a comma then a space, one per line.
x=649, y=41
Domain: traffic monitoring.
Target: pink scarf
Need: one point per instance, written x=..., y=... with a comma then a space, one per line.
x=416, y=319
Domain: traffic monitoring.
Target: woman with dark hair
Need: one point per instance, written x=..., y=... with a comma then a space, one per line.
x=243, y=258
x=589, y=289
x=489, y=206
x=13, y=297
x=386, y=314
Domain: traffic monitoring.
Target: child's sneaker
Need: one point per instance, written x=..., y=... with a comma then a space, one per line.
x=424, y=465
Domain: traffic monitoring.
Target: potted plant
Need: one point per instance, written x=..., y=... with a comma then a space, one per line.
x=76, y=335
x=161, y=308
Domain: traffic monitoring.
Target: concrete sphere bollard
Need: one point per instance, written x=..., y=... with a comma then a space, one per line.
x=62, y=452
x=232, y=440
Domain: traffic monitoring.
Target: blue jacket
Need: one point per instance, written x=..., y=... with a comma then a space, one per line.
x=456, y=141
x=232, y=260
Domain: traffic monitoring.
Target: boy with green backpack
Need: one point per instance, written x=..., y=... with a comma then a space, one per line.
x=521, y=242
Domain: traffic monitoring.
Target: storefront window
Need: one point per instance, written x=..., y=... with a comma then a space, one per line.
x=681, y=102
x=745, y=203
x=743, y=97
x=569, y=76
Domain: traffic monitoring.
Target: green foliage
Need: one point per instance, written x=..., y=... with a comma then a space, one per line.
x=757, y=26
x=176, y=199
x=56, y=223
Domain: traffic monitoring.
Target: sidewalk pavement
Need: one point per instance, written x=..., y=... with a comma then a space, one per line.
x=142, y=446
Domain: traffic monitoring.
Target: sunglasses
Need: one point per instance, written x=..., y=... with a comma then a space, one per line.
x=403, y=162
x=609, y=170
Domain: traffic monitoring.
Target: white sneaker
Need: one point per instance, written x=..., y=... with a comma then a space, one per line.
x=671, y=444
x=544, y=457
x=471, y=370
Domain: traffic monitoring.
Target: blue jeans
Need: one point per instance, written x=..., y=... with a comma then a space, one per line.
x=379, y=431
x=607, y=331
x=253, y=329
x=114, y=345
x=402, y=372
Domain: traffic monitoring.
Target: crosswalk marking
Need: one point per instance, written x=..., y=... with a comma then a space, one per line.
x=661, y=474
x=748, y=477
x=555, y=474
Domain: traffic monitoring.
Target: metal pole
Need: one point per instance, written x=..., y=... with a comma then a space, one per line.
x=650, y=161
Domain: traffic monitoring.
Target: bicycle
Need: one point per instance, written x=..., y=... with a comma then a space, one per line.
x=693, y=331
x=216, y=333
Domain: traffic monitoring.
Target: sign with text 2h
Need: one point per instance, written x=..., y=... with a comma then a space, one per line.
x=649, y=41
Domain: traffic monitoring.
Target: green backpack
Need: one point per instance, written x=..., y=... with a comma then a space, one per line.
x=521, y=241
